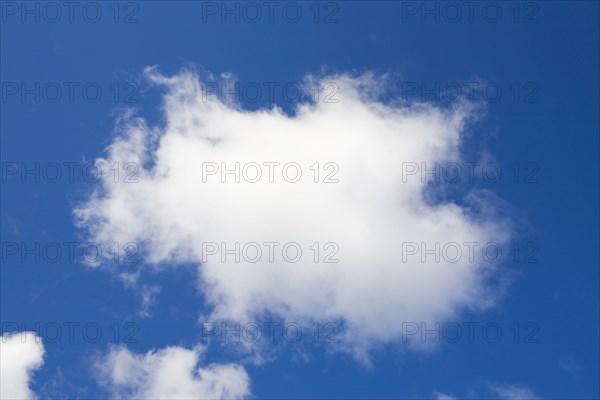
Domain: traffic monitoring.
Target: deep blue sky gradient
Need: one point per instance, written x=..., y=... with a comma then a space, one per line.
x=557, y=54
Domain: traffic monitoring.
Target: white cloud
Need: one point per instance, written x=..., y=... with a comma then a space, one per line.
x=368, y=214
x=443, y=396
x=571, y=367
x=514, y=392
x=170, y=373
x=21, y=354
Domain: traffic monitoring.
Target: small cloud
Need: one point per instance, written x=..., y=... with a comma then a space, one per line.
x=15, y=226
x=442, y=396
x=571, y=367
x=170, y=373
x=148, y=294
x=513, y=392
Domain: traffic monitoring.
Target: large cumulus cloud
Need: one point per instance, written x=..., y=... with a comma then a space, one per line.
x=365, y=216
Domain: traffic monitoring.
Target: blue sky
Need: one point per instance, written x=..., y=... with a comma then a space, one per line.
x=533, y=72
